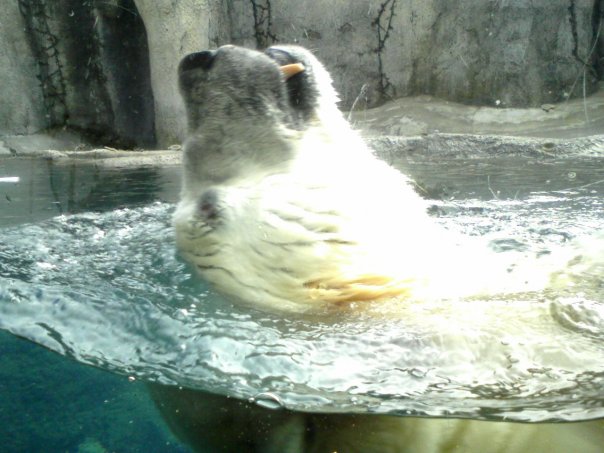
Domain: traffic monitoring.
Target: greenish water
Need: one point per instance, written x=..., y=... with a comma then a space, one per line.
x=50, y=404
x=88, y=269
x=47, y=402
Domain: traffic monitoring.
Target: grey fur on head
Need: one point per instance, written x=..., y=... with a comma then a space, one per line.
x=275, y=208
x=231, y=82
x=236, y=97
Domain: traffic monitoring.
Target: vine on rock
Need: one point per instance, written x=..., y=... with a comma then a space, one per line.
x=44, y=45
x=383, y=25
x=263, y=23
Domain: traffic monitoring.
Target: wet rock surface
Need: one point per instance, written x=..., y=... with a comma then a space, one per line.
x=421, y=125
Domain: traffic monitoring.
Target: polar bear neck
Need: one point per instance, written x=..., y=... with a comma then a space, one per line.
x=223, y=150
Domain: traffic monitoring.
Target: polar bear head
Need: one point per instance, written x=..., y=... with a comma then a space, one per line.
x=234, y=82
x=244, y=109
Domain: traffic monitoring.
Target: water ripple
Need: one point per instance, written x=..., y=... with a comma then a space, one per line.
x=107, y=289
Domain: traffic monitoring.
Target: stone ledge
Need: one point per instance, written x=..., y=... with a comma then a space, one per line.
x=387, y=147
x=471, y=145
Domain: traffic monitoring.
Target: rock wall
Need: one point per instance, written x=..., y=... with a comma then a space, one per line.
x=175, y=28
x=90, y=62
x=113, y=73
x=21, y=103
x=510, y=53
x=485, y=52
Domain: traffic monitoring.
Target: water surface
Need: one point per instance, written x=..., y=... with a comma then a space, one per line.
x=103, y=285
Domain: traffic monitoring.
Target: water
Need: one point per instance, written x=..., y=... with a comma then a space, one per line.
x=100, y=283
x=49, y=403
x=36, y=189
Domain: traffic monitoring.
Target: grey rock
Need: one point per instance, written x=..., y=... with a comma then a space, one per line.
x=174, y=29
x=392, y=149
x=36, y=144
x=416, y=115
x=21, y=104
x=4, y=150
x=108, y=68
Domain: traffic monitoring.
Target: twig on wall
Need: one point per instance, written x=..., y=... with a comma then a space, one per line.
x=383, y=25
x=44, y=45
x=263, y=22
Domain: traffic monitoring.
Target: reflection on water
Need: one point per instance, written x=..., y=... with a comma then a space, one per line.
x=38, y=189
x=105, y=288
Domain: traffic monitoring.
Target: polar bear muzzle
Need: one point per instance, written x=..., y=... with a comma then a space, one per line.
x=202, y=60
x=284, y=81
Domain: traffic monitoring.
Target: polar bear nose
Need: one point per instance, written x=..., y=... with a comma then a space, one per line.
x=198, y=60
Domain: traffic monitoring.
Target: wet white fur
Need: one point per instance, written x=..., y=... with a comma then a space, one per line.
x=365, y=224
x=313, y=216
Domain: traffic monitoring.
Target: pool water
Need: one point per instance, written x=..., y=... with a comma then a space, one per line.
x=51, y=404
x=32, y=190
x=88, y=270
x=48, y=403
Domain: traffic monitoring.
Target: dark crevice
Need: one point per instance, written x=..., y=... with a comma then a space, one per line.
x=572, y=17
x=89, y=104
x=597, y=22
x=383, y=25
x=263, y=23
x=93, y=68
x=125, y=54
x=572, y=11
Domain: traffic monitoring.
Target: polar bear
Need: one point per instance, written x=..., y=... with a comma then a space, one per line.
x=212, y=423
x=284, y=206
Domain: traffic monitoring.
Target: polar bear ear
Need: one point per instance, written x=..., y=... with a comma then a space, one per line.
x=311, y=90
x=197, y=60
x=302, y=89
